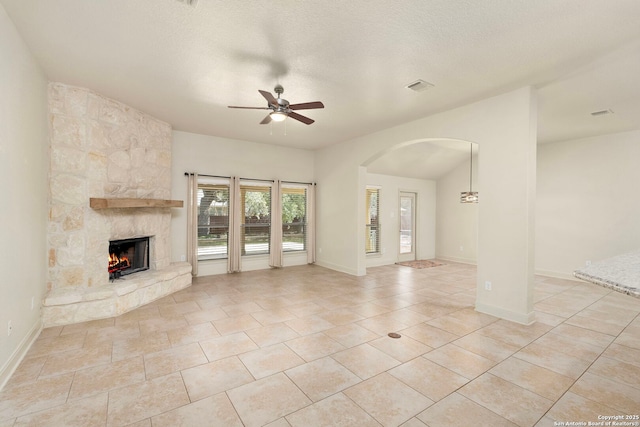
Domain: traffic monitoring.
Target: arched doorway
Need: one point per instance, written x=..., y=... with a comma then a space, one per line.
x=405, y=178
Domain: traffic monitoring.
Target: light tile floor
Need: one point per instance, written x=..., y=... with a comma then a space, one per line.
x=307, y=346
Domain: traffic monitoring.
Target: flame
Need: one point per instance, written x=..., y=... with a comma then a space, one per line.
x=118, y=263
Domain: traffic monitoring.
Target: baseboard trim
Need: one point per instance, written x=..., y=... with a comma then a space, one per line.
x=557, y=275
x=378, y=262
x=336, y=267
x=458, y=260
x=522, y=318
x=14, y=361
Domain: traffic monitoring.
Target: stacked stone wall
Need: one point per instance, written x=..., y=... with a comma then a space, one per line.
x=103, y=148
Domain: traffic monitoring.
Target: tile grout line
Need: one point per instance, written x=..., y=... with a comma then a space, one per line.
x=594, y=360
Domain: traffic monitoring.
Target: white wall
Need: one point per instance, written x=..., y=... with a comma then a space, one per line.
x=587, y=204
x=505, y=129
x=211, y=155
x=585, y=208
x=390, y=188
x=23, y=187
x=457, y=223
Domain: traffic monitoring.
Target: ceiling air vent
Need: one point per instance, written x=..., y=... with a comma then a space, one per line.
x=419, y=85
x=192, y=3
x=601, y=113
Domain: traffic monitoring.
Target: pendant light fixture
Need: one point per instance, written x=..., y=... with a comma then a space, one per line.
x=469, y=196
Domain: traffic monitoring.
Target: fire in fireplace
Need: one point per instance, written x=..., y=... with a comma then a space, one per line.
x=128, y=256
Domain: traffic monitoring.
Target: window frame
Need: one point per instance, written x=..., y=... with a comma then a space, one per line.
x=224, y=184
x=247, y=185
x=371, y=226
x=303, y=189
x=244, y=185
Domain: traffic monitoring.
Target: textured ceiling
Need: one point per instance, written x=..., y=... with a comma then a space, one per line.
x=184, y=65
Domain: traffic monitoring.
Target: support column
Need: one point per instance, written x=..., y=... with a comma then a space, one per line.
x=506, y=232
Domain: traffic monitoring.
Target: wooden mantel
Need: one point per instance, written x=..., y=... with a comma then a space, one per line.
x=98, y=203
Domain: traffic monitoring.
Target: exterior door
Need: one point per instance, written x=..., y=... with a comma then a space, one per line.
x=407, y=217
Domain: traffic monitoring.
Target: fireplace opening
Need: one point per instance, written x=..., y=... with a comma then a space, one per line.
x=128, y=256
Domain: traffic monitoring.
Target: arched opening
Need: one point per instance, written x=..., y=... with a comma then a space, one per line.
x=426, y=175
x=504, y=127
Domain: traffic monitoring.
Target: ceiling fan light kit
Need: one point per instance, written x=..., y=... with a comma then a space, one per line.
x=278, y=116
x=281, y=109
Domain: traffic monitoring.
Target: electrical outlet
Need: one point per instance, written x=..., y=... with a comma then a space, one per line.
x=461, y=248
x=487, y=285
x=183, y=258
x=9, y=328
x=587, y=263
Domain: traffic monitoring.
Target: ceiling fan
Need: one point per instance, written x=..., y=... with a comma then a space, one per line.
x=281, y=109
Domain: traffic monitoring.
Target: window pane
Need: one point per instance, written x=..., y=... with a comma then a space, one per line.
x=213, y=221
x=372, y=234
x=294, y=219
x=256, y=226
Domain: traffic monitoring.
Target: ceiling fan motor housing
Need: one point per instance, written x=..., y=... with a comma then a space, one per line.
x=283, y=103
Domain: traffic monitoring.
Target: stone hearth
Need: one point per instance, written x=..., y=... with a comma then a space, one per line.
x=78, y=304
x=101, y=148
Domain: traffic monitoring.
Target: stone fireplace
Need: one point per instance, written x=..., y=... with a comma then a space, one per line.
x=101, y=148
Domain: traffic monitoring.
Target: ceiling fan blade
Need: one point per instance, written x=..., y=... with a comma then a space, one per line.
x=250, y=108
x=301, y=118
x=266, y=120
x=270, y=99
x=307, y=105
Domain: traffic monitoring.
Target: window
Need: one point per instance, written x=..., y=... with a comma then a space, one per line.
x=294, y=218
x=256, y=225
x=215, y=210
x=372, y=236
x=213, y=220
